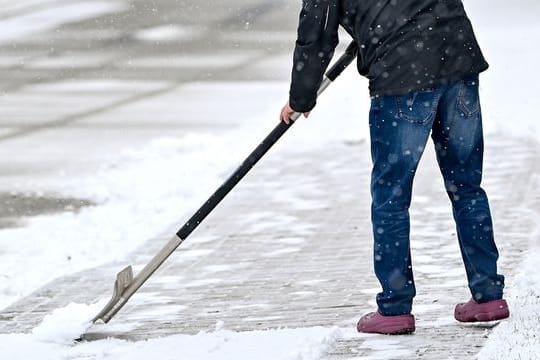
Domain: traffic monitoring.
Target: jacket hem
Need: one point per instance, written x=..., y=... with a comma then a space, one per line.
x=441, y=81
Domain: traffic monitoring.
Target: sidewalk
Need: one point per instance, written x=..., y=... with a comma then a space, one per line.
x=291, y=247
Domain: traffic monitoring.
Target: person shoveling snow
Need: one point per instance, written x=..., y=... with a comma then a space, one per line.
x=423, y=62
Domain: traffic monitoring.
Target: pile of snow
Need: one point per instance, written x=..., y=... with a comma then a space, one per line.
x=54, y=339
x=518, y=337
x=66, y=324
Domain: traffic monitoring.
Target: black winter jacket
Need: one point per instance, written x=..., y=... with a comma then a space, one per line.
x=404, y=45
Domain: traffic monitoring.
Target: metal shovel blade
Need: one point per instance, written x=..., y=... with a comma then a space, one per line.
x=123, y=280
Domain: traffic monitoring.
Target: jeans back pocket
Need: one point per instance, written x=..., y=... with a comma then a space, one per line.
x=418, y=107
x=468, y=101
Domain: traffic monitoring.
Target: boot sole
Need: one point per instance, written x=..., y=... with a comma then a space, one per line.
x=492, y=316
x=391, y=331
x=487, y=316
x=390, y=325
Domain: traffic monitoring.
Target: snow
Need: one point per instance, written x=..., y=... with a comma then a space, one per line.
x=519, y=336
x=509, y=105
x=64, y=325
x=54, y=15
x=120, y=222
x=165, y=195
x=507, y=86
x=54, y=339
x=385, y=349
x=165, y=33
x=73, y=60
x=195, y=60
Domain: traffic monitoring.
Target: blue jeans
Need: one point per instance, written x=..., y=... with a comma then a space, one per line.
x=399, y=127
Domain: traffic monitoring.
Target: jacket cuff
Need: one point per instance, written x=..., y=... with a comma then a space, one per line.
x=301, y=106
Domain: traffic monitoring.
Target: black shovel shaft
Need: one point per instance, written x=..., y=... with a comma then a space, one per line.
x=258, y=153
x=234, y=179
x=344, y=60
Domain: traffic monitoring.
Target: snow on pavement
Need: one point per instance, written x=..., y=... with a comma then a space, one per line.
x=54, y=339
x=135, y=205
x=140, y=193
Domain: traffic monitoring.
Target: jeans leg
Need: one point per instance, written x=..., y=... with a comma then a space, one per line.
x=458, y=138
x=397, y=144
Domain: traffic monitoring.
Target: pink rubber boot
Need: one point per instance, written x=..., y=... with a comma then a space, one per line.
x=375, y=322
x=489, y=311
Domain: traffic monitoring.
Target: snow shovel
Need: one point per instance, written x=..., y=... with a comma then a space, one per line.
x=126, y=284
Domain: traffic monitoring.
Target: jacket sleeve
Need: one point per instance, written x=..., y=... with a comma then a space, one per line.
x=315, y=45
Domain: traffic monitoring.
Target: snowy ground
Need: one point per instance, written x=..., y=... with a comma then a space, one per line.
x=133, y=192
x=53, y=340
